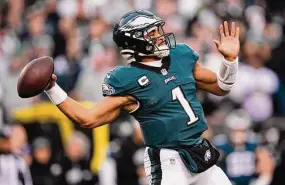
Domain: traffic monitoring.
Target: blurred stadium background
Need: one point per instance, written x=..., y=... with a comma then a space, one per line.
x=248, y=125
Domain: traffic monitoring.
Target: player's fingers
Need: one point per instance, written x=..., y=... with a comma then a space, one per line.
x=53, y=77
x=217, y=43
x=233, y=29
x=51, y=82
x=221, y=28
x=226, y=27
x=237, y=33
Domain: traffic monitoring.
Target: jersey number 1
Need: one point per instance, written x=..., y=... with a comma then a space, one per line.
x=177, y=94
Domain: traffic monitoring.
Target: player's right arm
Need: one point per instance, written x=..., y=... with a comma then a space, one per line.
x=103, y=112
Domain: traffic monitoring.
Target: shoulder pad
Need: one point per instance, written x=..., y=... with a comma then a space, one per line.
x=186, y=49
x=117, y=81
x=112, y=84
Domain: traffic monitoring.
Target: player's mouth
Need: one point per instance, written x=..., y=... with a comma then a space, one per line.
x=161, y=42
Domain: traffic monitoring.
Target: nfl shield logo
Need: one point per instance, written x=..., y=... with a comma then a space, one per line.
x=163, y=71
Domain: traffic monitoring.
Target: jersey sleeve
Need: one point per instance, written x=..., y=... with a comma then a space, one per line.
x=115, y=84
x=192, y=53
x=187, y=56
x=112, y=86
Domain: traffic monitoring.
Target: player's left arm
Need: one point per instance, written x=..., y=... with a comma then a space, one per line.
x=221, y=83
x=206, y=80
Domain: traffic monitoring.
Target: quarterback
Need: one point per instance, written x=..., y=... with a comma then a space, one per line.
x=158, y=87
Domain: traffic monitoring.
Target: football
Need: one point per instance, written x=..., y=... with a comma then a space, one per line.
x=35, y=77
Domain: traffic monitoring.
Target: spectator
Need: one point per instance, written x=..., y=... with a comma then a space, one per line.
x=67, y=67
x=255, y=95
x=9, y=42
x=240, y=152
x=65, y=28
x=37, y=41
x=103, y=57
x=3, y=111
x=14, y=160
x=75, y=166
x=265, y=167
x=125, y=161
x=43, y=171
x=5, y=146
x=273, y=133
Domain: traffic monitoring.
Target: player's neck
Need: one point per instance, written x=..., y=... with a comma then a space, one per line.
x=155, y=62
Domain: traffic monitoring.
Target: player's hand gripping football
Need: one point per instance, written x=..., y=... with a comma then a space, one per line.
x=229, y=45
x=52, y=82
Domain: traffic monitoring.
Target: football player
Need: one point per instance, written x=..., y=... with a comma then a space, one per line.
x=242, y=157
x=158, y=87
x=238, y=148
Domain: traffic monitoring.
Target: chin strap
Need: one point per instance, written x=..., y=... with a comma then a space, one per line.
x=128, y=55
x=132, y=56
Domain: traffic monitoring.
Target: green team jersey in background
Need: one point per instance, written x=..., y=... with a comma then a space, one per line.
x=170, y=114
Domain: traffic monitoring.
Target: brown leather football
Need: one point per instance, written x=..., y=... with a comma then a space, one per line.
x=35, y=76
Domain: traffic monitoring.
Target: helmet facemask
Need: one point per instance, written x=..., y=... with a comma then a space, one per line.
x=162, y=43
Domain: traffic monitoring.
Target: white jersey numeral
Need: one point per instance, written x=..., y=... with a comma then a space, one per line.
x=177, y=94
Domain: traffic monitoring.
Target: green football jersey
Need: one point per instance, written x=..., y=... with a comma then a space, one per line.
x=170, y=115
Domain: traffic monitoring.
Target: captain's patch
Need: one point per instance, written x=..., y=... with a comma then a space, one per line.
x=144, y=81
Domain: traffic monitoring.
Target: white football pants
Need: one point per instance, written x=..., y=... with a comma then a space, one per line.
x=167, y=168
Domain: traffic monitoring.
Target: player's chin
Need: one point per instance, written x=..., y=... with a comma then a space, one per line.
x=163, y=47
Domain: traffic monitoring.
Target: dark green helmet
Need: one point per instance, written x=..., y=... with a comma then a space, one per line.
x=131, y=36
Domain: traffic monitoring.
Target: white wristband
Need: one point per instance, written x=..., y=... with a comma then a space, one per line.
x=227, y=74
x=230, y=63
x=56, y=94
x=224, y=86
